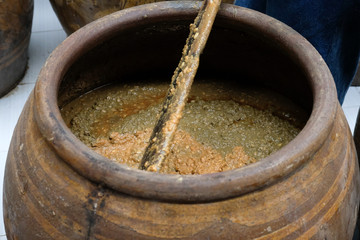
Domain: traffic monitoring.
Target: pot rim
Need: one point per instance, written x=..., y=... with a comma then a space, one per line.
x=183, y=188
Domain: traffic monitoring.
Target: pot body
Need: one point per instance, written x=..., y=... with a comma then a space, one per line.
x=44, y=198
x=15, y=29
x=48, y=194
x=77, y=13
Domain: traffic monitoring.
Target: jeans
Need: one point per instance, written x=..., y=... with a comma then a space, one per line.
x=331, y=26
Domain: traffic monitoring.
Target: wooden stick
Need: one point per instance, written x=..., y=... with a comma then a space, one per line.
x=164, y=130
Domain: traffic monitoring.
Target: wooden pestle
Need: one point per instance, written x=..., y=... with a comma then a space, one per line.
x=173, y=106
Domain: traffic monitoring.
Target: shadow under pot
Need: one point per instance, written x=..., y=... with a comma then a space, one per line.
x=56, y=186
x=15, y=29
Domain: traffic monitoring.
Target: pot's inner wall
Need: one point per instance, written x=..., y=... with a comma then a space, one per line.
x=153, y=50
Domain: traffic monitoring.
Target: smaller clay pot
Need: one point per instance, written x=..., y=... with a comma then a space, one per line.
x=77, y=13
x=15, y=28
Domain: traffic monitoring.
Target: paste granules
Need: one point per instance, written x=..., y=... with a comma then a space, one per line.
x=222, y=127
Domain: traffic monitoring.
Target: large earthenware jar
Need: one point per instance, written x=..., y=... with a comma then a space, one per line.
x=15, y=28
x=75, y=14
x=55, y=187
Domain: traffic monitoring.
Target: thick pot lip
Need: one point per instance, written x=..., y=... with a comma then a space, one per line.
x=183, y=188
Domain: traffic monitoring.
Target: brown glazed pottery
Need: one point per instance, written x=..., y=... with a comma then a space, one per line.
x=74, y=14
x=15, y=29
x=357, y=133
x=57, y=188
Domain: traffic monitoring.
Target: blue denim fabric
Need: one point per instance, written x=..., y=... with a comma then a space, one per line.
x=331, y=26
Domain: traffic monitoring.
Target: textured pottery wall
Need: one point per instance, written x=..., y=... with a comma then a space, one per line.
x=74, y=14
x=15, y=29
x=55, y=187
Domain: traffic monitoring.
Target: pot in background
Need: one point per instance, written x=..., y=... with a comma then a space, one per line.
x=15, y=29
x=55, y=187
x=75, y=14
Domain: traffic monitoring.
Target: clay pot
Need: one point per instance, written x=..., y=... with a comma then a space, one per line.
x=57, y=188
x=75, y=14
x=15, y=28
x=357, y=132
